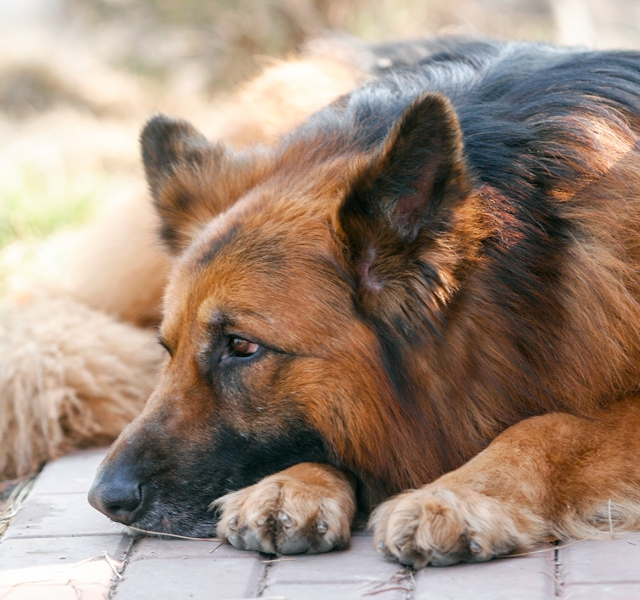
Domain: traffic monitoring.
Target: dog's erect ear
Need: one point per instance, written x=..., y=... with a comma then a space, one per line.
x=191, y=180
x=418, y=172
x=167, y=145
x=405, y=196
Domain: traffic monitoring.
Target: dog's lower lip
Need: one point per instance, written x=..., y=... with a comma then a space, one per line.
x=166, y=528
x=150, y=529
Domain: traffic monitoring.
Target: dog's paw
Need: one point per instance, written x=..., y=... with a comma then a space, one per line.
x=435, y=525
x=307, y=508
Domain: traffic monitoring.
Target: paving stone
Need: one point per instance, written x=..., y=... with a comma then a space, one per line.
x=70, y=474
x=58, y=521
x=60, y=515
x=525, y=578
x=359, y=564
x=151, y=547
x=601, y=561
x=60, y=552
x=331, y=591
x=602, y=591
x=62, y=591
x=53, y=568
x=192, y=578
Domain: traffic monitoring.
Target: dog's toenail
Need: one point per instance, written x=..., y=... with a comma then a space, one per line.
x=322, y=527
x=233, y=524
x=474, y=547
x=381, y=546
x=286, y=520
x=261, y=521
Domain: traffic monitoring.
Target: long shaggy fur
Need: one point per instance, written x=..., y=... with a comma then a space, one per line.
x=431, y=282
x=70, y=376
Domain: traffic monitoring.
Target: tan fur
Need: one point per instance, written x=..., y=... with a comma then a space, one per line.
x=283, y=96
x=549, y=477
x=115, y=264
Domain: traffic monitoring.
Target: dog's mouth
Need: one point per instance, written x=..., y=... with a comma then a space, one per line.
x=185, y=522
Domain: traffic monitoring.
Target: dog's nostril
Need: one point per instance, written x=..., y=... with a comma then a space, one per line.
x=122, y=507
x=116, y=499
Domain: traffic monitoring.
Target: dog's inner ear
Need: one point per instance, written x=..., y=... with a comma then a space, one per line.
x=191, y=180
x=406, y=194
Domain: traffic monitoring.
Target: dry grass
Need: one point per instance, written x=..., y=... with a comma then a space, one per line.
x=13, y=493
x=172, y=535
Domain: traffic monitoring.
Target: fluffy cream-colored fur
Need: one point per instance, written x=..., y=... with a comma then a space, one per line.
x=69, y=376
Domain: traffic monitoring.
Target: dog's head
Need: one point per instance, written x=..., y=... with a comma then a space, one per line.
x=305, y=280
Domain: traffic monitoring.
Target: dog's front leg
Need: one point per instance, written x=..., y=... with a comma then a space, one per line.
x=306, y=508
x=548, y=477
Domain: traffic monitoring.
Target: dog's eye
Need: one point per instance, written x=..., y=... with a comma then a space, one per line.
x=165, y=346
x=241, y=347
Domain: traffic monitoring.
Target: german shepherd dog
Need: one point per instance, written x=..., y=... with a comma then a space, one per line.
x=432, y=285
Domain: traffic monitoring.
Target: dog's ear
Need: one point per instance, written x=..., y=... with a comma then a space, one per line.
x=404, y=197
x=191, y=180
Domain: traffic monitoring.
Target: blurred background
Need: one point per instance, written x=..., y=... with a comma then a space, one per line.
x=79, y=77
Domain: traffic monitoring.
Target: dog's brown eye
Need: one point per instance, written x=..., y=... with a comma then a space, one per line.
x=165, y=346
x=242, y=347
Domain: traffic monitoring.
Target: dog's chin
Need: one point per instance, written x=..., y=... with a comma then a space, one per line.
x=188, y=523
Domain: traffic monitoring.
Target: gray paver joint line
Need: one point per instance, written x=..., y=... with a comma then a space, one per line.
x=557, y=571
x=264, y=576
x=123, y=566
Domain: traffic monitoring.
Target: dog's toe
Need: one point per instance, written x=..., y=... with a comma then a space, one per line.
x=286, y=515
x=437, y=526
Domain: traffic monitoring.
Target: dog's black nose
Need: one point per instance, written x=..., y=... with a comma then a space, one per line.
x=117, y=495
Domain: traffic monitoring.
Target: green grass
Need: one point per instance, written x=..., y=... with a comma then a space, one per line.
x=36, y=203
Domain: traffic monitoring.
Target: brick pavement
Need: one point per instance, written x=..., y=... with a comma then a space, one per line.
x=59, y=548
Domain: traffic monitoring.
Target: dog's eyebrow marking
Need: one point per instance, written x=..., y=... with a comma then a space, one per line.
x=164, y=344
x=219, y=318
x=218, y=243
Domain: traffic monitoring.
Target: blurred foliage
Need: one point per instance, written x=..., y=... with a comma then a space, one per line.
x=33, y=89
x=35, y=204
x=228, y=34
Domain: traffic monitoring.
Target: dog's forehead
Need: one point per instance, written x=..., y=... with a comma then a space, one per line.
x=264, y=273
